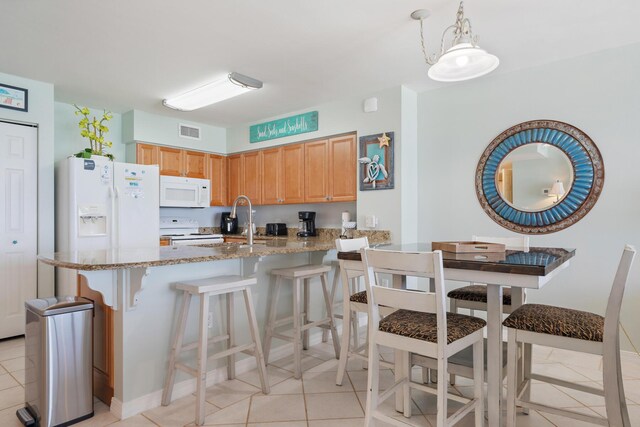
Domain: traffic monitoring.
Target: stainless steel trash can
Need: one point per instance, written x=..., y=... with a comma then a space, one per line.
x=59, y=360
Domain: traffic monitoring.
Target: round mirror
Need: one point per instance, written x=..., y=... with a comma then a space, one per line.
x=534, y=177
x=539, y=177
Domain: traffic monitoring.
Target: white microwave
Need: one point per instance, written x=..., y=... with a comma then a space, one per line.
x=181, y=192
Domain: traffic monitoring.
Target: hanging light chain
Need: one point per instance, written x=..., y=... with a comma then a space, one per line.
x=463, y=28
x=459, y=22
x=429, y=60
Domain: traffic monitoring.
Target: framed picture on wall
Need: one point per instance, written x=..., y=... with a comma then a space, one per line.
x=376, y=161
x=14, y=98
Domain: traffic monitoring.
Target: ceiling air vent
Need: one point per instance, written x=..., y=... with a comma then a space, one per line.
x=190, y=132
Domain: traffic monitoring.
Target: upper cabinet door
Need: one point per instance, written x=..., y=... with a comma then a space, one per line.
x=272, y=176
x=252, y=176
x=234, y=177
x=146, y=154
x=316, y=187
x=170, y=161
x=292, y=175
x=217, y=174
x=195, y=164
x=342, y=168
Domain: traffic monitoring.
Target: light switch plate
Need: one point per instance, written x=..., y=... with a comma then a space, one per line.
x=370, y=221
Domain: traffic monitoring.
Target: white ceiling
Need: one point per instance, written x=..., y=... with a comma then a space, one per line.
x=130, y=54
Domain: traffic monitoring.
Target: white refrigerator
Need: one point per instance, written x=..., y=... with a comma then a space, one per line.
x=102, y=204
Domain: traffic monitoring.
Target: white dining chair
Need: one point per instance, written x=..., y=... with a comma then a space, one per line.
x=570, y=330
x=474, y=296
x=354, y=302
x=420, y=325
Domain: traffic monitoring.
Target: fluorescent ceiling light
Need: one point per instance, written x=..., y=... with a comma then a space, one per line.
x=231, y=85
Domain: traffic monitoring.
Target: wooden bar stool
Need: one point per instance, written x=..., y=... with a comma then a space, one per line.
x=300, y=277
x=205, y=288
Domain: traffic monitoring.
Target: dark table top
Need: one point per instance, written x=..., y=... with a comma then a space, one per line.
x=536, y=262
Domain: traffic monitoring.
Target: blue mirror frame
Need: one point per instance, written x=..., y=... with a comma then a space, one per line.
x=588, y=177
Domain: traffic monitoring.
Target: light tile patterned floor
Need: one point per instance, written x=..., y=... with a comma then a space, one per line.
x=316, y=401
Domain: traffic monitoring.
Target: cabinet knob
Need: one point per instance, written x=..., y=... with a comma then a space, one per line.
x=326, y=198
x=15, y=242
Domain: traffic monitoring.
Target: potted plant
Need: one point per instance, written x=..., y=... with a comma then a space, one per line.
x=95, y=130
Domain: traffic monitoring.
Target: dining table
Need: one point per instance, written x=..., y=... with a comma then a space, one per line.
x=519, y=270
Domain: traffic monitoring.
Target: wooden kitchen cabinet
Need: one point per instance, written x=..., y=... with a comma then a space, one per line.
x=252, y=176
x=308, y=172
x=293, y=173
x=217, y=174
x=146, y=154
x=103, y=362
x=194, y=164
x=170, y=161
x=271, y=176
x=245, y=177
x=316, y=171
x=234, y=177
x=343, y=169
x=330, y=170
x=283, y=175
x=177, y=162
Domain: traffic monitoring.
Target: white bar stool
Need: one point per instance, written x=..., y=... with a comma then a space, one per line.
x=205, y=288
x=300, y=277
x=335, y=264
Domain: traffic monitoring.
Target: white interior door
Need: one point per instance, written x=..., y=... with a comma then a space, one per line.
x=18, y=224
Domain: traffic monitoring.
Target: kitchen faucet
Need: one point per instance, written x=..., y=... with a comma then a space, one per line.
x=234, y=215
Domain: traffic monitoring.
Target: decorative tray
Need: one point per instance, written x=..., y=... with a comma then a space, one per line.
x=480, y=256
x=467, y=247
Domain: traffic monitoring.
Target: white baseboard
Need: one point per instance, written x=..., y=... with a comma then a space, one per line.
x=184, y=388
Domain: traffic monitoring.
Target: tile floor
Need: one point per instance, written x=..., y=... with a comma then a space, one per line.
x=317, y=402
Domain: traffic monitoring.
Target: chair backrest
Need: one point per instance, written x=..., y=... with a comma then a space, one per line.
x=347, y=245
x=612, y=315
x=516, y=243
x=416, y=264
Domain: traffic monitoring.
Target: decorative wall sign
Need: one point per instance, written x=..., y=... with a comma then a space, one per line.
x=14, y=98
x=294, y=125
x=376, y=163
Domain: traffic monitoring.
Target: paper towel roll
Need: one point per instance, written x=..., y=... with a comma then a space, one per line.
x=346, y=216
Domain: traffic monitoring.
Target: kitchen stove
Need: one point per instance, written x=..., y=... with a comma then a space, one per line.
x=185, y=231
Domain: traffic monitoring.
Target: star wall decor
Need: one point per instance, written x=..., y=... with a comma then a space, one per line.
x=384, y=140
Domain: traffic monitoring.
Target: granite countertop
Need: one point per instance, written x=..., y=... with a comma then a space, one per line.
x=112, y=259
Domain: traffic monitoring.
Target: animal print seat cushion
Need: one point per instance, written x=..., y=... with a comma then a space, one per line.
x=478, y=293
x=564, y=322
x=360, y=297
x=423, y=326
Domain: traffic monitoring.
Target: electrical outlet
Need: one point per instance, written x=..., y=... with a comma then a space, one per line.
x=210, y=320
x=370, y=221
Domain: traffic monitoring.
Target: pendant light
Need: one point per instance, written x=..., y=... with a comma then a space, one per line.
x=464, y=59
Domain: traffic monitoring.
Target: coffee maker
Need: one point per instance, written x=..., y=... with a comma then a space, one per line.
x=228, y=225
x=307, y=223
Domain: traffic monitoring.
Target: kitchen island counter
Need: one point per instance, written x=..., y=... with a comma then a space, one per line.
x=139, y=286
x=113, y=259
x=172, y=255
